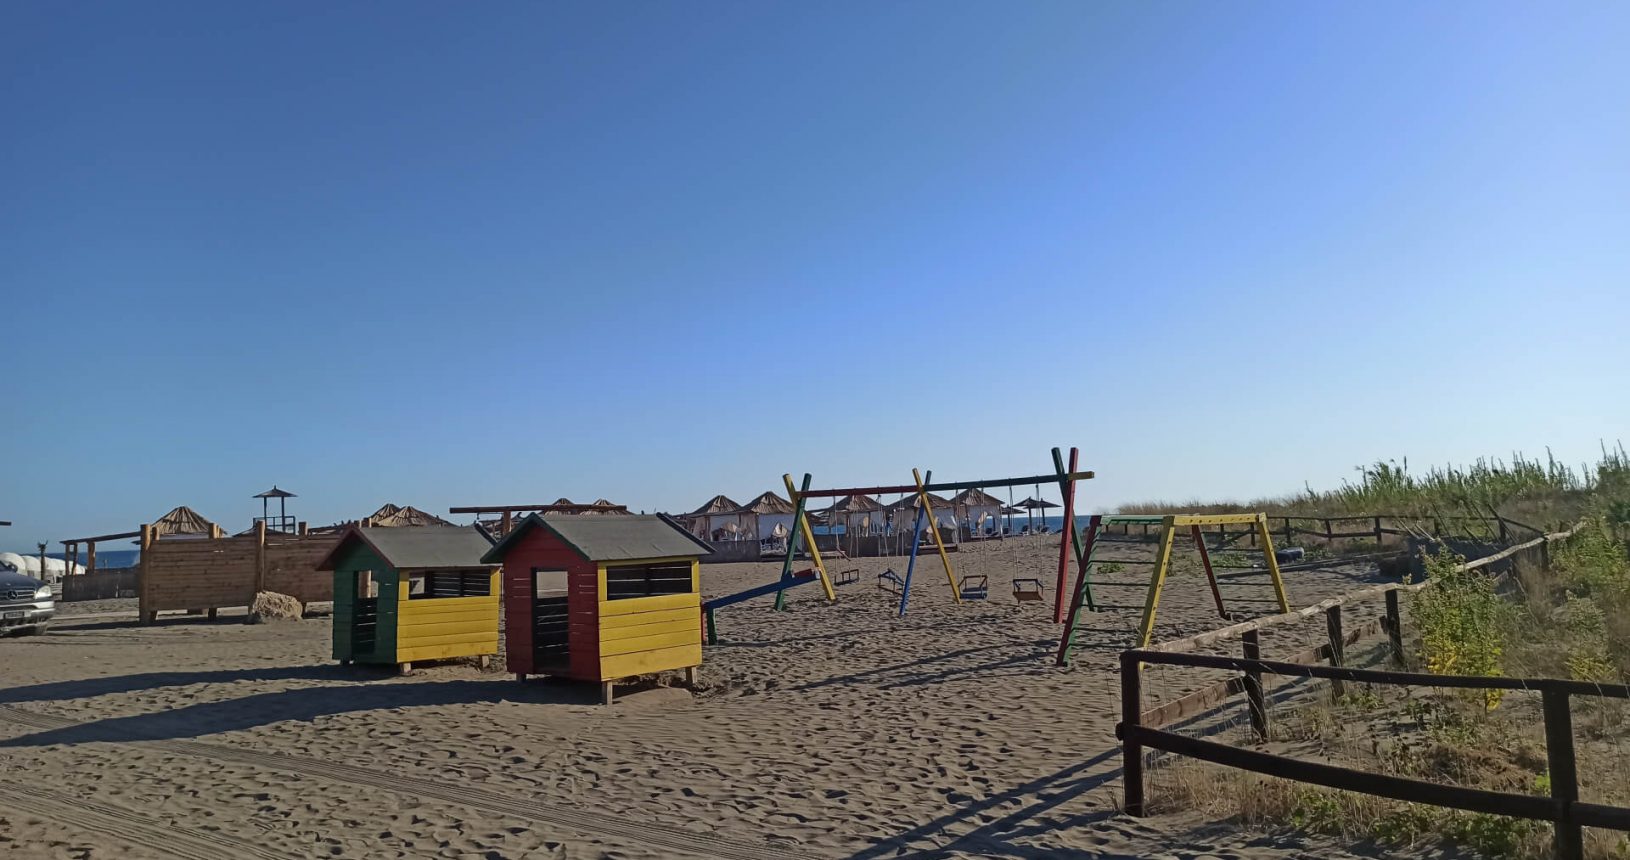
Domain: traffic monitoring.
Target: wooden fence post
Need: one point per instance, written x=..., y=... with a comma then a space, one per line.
x=1379, y=537
x=1564, y=773
x=1251, y=640
x=144, y=588
x=260, y=557
x=1131, y=750
x=1338, y=648
x=1395, y=627
x=1288, y=531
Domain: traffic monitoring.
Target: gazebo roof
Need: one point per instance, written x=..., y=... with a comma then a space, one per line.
x=717, y=505
x=182, y=521
x=770, y=503
x=1035, y=504
x=392, y=516
x=855, y=504
x=909, y=503
x=274, y=493
x=975, y=498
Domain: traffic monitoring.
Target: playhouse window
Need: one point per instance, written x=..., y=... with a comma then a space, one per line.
x=548, y=582
x=645, y=580
x=433, y=584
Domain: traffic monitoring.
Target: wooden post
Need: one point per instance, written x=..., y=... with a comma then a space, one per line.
x=1251, y=640
x=90, y=557
x=1564, y=773
x=260, y=556
x=1205, y=559
x=1379, y=537
x=1395, y=627
x=300, y=529
x=1329, y=533
x=1338, y=648
x=1289, y=532
x=1504, y=538
x=507, y=522
x=1070, y=537
x=1131, y=750
x=144, y=585
x=607, y=691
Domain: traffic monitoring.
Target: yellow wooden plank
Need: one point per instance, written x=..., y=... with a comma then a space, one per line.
x=642, y=662
x=485, y=613
x=654, y=603
x=691, y=625
x=445, y=652
x=436, y=605
x=638, y=619
x=614, y=647
x=404, y=641
x=1214, y=519
x=485, y=625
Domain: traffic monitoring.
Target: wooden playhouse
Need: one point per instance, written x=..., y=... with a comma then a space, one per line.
x=408, y=595
x=600, y=598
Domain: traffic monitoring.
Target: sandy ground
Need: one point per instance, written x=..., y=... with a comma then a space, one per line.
x=823, y=731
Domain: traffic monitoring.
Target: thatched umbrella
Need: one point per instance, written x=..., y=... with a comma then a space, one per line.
x=1033, y=504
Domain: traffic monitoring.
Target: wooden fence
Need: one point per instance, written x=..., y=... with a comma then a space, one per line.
x=1140, y=729
x=209, y=574
x=1363, y=528
x=104, y=584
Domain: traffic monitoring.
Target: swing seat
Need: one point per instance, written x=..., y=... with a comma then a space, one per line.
x=1027, y=590
x=891, y=582
x=974, y=587
x=847, y=577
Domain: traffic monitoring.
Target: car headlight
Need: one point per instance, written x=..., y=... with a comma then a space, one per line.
x=43, y=591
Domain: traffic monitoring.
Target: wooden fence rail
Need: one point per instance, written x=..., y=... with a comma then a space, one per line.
x=1381, y=526
x=1563, y=808
x=1140, y=729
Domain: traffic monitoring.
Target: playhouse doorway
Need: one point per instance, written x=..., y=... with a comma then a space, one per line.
x=551, y=643
x=365, y=614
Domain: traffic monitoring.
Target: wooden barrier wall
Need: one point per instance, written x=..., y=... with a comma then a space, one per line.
x=213, y=573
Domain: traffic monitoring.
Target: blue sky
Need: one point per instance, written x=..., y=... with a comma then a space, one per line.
x=445, y=254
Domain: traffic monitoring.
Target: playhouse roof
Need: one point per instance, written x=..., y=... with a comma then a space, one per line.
x=182, y=521
x=597, y=538
x=716, y=505
x=975, y=498
x=770, y=503
x=404, y=549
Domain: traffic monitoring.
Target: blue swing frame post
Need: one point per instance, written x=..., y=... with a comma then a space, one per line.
x=916, y=542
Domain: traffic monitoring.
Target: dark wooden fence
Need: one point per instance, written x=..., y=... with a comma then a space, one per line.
x=104, y=584
x=1140, y=729
x=1563, y=808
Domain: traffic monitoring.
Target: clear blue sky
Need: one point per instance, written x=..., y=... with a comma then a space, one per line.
x=445, y=254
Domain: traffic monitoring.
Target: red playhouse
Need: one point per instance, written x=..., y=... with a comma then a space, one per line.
x=599, y=599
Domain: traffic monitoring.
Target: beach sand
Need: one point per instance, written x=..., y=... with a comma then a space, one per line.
x=827, y=730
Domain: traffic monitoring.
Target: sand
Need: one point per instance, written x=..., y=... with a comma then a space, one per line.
x=823, y=731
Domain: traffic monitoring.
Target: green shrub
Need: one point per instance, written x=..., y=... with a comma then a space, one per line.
x=1463, y=622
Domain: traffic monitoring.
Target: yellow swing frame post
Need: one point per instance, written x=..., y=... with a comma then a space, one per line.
x=1163, y=560
x=809, y=538
x=934, y=529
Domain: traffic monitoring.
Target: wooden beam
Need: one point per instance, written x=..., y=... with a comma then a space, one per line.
x=542, y=509
x=945, y=486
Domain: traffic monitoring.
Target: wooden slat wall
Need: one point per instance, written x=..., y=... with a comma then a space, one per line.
x=291, y=566
x=440, y=628
x=221, y=572
x=200, y=574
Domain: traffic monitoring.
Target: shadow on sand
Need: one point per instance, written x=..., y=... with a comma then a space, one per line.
x=206, y=718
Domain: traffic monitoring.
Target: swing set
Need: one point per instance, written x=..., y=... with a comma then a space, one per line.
x=1169, y=526
x=975, y=587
